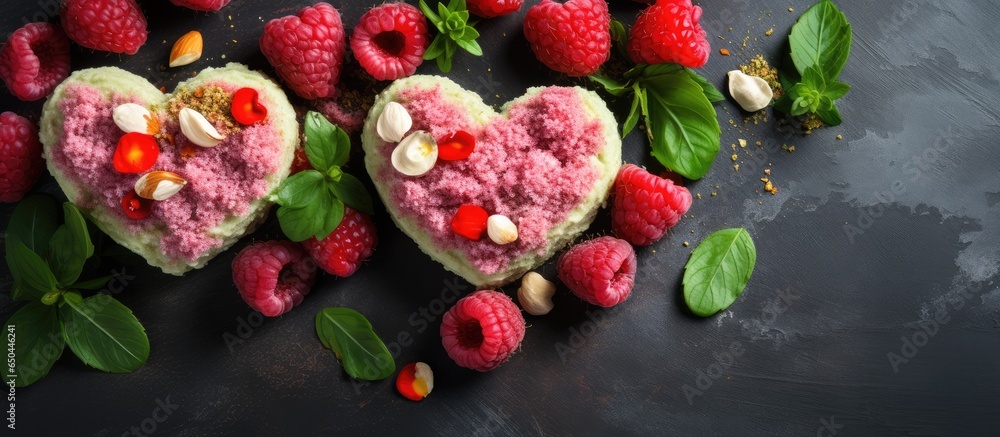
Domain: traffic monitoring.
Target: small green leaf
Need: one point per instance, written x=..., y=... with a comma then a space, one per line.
x=620, y=37
x=334, y=215
x=350, y=336
x=436, y=49
x=835, y=90
x=633, y=112
x=32, y=276
x=33, y=223
x=93, y=284
x=470, y=46
x=353, y=193
x=299, y=224
x=718, y=271
x=454, y=31
x=681, y=121
x=38, y=341
x=710, y=90
x=429, y=13
x=610, y=85
x=831, y=116
x=104, y=334
x=70, y=247
x=300, y=189
x=821, y=38
x=322, y=142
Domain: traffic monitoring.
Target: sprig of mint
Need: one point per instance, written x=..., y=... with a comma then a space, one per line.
x=454, y=31
x=312, y=201
x=351, y=338
x=820, y=44
x=718, y=271
x=46, y=261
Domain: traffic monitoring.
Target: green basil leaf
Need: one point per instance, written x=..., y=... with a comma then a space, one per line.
x=633, y=112
x=299, y=224
x=33, y=223
x=353, y=193
x=334, y=215
x=821, y=38
x=470, y=46
x=471, y=34
x=610, y=85
x=32, y=276
x=350, y=336
x=620, y=37
x=104, y=334
x=681, y=122
x=831, y=116
x=38, y=341
x=300, y=189
x=434, y=18
x=718, y=271
x=835, y=90
x=784, y=104
x=93, y=284
x=710, y=90
x=322, y=142
x=70, y=247
x=436, y=48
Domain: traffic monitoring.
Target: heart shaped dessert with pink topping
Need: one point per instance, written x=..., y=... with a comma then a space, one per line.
x=490, y=195
x=176, y=178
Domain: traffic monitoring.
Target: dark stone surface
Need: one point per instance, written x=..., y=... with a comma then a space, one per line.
x=867, y=240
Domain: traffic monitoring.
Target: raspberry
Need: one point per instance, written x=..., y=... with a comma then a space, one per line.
x=493, y=8
x=482, y=330
x=646, y=205
x=111, y=25
x=390, y=40
x=20, y=156
x=34, y=60
x=202, y=5
x=342, y=252
x=572, y=37
x=273, y=276
x=307, y=50
x=668, y=31
x=600, y=271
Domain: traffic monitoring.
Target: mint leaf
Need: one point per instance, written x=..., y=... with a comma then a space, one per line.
x=32, y=223
x=718, y=271
x=32, y=276
x=326, y=145
x=711, y=92
x=633, y=112
x=353, y=193
x=835, y=90
x=103, y=333
x=350, y=336
x=299, y=224
x=334, y=215
x=70, y=247
x=830, y=116
x=39, y=341
x=300, y=189
x=821, y=38
x=619, y=35
x=454, y=31
x=610, y=85
x=93, y=284
x=680, y=120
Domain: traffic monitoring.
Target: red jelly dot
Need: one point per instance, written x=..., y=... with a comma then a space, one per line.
x=456, y=146
x=136, y=153
x=135, y=207
x=246, y=107
x=470, y=222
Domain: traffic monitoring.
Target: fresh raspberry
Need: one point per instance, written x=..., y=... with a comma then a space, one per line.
x=482, y=330
x=668, y=31
x=34, y=60
x=390, y=40
x=20, y=156
x=307, y=50
x=493, y=8
x=600, y=271
x=646, y=205
x=202, y=5
x=572, y=37
x=273, y=276
x=342, y=252
x=111, y=25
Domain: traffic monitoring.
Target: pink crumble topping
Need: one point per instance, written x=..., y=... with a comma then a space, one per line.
x=532, y=167
x=222, y=181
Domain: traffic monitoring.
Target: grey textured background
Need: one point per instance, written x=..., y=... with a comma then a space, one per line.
x=868, y=240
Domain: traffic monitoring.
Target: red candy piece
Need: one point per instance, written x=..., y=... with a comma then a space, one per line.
x=456, y=146
x=413, y=381
x=136, y=153
x=135, y=207
x=246, y=108
x=470, y=221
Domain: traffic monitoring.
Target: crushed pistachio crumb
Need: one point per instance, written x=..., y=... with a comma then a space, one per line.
x=758, y=66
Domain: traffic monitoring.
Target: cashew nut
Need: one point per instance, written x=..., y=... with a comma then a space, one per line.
x=536, y=294
x=751, y=92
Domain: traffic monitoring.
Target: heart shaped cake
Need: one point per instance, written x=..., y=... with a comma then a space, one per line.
x=546, y=163
x=209, y=187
